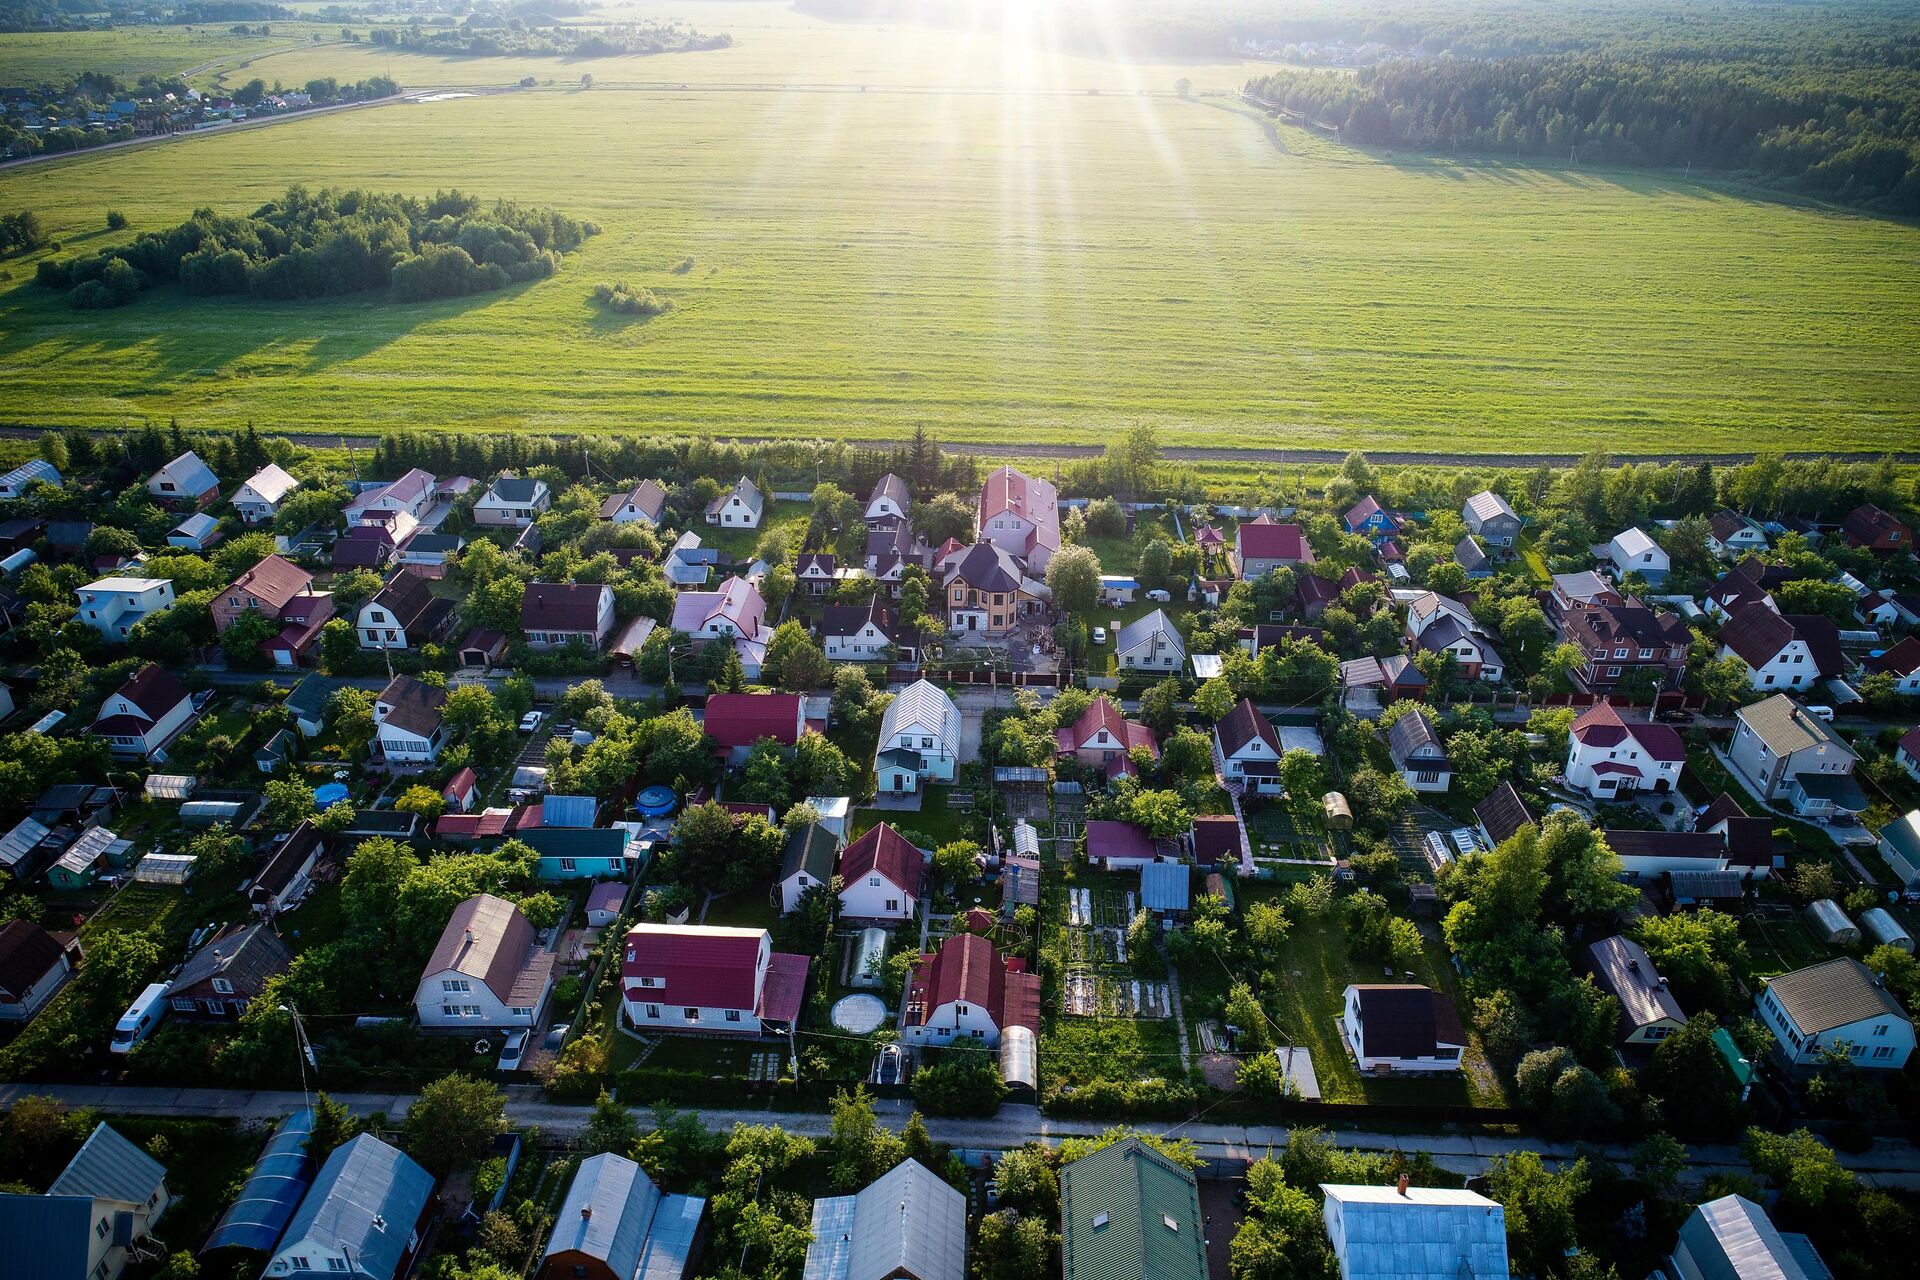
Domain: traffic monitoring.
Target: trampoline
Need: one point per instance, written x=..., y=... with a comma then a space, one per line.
x=859, y=1014
x=656, y=802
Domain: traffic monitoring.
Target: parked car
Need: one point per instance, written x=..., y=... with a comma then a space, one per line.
x=531, y=721
x=888, y=1070
x=557, y=1036
x=1099, y=635
x=1159, y=595
x=1824, y=712
x=1674, y=715
x=514, y=1050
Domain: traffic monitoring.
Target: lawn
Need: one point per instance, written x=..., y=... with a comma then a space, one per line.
x=1007, y=264
x=936, y=824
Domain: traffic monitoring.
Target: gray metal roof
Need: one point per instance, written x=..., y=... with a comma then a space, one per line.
x=568, y=811
x=280, y=1177
x=366, y=1200
x=108, y=1167
x=1143, y=629
x=1623, y=967
x=668, y=1252
x=1785, y=726
x=1733, y=1239
x=1832, y=994
x=1165, y=886
x=906, y=1222
x=608, y=1209
x=1428, y=1233
x=45, y=1236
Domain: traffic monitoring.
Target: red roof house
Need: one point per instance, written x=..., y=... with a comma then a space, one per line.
x=1102, y=738
x=708, y=980
x=968, y=992
x=882, y=875
x=1870, y=527
x=735, y=721
x=1119, y=845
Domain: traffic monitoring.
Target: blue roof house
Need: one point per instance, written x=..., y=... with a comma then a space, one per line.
x=579, y=853
x=615, y=1224
x=96, y=1218
x=362, y=1216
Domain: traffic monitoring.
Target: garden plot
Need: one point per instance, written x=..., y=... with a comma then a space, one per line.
x=1099, y=983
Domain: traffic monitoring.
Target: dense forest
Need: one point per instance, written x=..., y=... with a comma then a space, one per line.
x=569, y=42
x=76, y=15
x=327, y=243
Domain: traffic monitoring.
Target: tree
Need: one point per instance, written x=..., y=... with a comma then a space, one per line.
x=1160, y=707
x=863, y=1148
x=1804, y=1169
x=453, y=1122
x=1073, y=575
x=1245, y=1012
x=956, y=862
x=1697, y=952
x=1028, y=1183
x=1539, y=1208
x=964, y=1082
x=289, y=802
x=423, y=800
x=1011, y=1246
x=1304, y=777
x=1658, y=1162
x=1282, y=1236
x=1215, y=700
x=1155, y=570
x=333, y=1126
x=611, y=1128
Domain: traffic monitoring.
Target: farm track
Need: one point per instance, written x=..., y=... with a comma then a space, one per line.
x=1173, y=453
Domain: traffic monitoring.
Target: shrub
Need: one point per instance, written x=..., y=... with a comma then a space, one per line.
x=623, y=299
x=116, y=220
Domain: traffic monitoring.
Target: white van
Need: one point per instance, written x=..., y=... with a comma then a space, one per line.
x=141, y=1017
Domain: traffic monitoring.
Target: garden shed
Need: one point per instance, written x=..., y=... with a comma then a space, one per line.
x=164, y=868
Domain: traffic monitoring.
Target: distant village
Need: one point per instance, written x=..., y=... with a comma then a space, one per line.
x=1583, y=802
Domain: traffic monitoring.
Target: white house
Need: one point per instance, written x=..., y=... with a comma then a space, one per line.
x=889, y=500
x=919, y=739
x=741, y=507
x=361, y=1218
x=556, y=614
x=488, y=970
x=863, y=633
x=706, y=979
x=145, y=714
x=1902, y=662
x=98, y=1215
x=114, y=606
x=407, y=721
x=1405, y=1232
x=806, y=862
x=1247, y=749
x=1021, y=516
x=734, y=614
x=258, y=499
x=512, y=502
x=967, y=992
x=882, y=877
x=33, y=471
x=1414, y=744
x=1782, y=651
x=186, y=481
x=1634, y=552
x=1608, y=756
x=195, y=533
x=1402, y=1027
x=1731, y=535
x=1793, y=757
x=1837, y=1003
x=1491, y=519
x=1151, y=643
x=645, y=503
x=411, y=494
x=1648, y=1011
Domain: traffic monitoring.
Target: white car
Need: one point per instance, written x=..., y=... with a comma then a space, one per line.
x=1159, y=596
x=531, y=721
x=1099, y=635
x=513, y=1051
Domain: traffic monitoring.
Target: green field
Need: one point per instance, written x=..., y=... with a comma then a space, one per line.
x=975, y=242
x=49, y=57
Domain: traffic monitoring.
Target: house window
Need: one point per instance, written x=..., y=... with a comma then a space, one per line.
x=336, y=1264
x=653, y=1011
x=649, y=982
x=299, y=1264
x=873, y=882
x=216, y=1007
x=100, y=1228
x=893, y=904
x=692, y=1014
x=566, y=864
x=733, y=1015
x=1883, y=1051
x=224, y=987
x=183, y=1003
x=979, y=1033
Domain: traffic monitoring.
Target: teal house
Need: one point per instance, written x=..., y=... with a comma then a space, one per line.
x=582, y=853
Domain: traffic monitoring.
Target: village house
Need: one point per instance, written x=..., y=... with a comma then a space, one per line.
x=1749, y=841
x=919, y=740
x=1414, y=744
x=1609, y=756
x=488, y=970
x=968, y=992
x=615, y=1224
x=1021, y=516
x=144, y=714
x=1633, y=551
x=1583, y=590
x=1840, y=1004
x=645, y=503
x=1122, y=846
x=1402, y=1027
x=404, y=614
x=115, y=606
x=259, y=497
x=1260, y=546
x=806, y=862
x=1869, y=527
x=1247, y=750
x=864, y=633
x=1902, y=662
x=1150, y=643
x=709, y=980
x=1472, y=558
x=408, y=724
x=741, y=507
x=15, y=483
x=907, y=1224
x=1503, y=815
x=1620, y=639
x=813, y=573
x=33, y=965
x=361, y=1219
x=889, y=501
x=734, y=614
x=1749, y=581
x=186, y=483
x=195, y=533
x=288, y=872
x=1129, y=1213
x=1466, y=641
x=1403, y=1232
x=512, y=502
x=556, y=614
x=1880, y=608
x=1648, y=1011
x=1732, y=1237
x=986, y=592
x=1782, y=651
x=228, y=972
x=1790, y=756
x=1899, y=845
x=1103, y=738
x=735, y=721
x=1730, y=535
x=1489, y=518
x=1369, y=519
x=96, y=1218
x=411, y=494
x=882, y=877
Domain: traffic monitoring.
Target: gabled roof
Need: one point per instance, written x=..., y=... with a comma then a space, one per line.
x=108, y=1167
x=1902, y=659
x=26, y=953
x=1362, y=511
x=1421, y=1233
x=408, y=596
x=884, y=851
x=485, y=938
x=1733, y=1239
x=906, y=1223
x=1410, y=733
x=189, y=475
x=1166, y=886
x=1600, y=727
x=1633, y=543
x=1486, y=504
x=517, y=491
x=309, y=698
x=1666, y=845
x=1833, y=994
x=1262, y=539
x=1145, y=628
x=1108, y=839
x=1602, y=626
x=609, y=1207
x=1867, y=525
x=1036, y=501
x=245, y=955
x=1243, y=725
x=364, y=1202
x=743, y=489
x=292, y=854
x=1729, y=524
x=889, y=486
x=273, y=582
x=1504, y=813
x=1785, y=726
x=849, y=619
x=1406, y=1020
x=742, y=719
x=1216, y=838
x=270, y=483
x=736, y=603
x=413, y=706
x=1469, y=555
x=1623, y=967
x=966, y=968
x=1756, y=634
x=985, y=566
x=647, y=497
x=1129, y=1213
x=811, y=849
x=1822, y=637
x=1102, y=714
x=695, y=965
x=926, y=706
x=561, y=606
x=154, y=690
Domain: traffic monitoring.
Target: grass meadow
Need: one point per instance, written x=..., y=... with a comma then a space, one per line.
x=865, y=230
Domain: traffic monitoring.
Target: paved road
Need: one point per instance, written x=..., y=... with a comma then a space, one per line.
x=1889, y=1163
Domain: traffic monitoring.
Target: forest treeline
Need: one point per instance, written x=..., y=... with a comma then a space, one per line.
x=331, y=242
x=1849, y=135
x=570, y=42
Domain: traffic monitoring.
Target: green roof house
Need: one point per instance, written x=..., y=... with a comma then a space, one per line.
x=1129, y=1213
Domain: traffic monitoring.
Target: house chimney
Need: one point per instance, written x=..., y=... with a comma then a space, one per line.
x=469, y=936
x=1401, y=1186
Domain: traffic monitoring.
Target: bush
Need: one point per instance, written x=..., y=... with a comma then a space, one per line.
x=1151, y=1099
x=964, y=1082
x=116, y=220
x=626, y=300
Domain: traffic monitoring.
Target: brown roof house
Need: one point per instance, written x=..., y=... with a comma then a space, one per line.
x=1870, y=527
x=145, y=714
x=488, y=970
x=968, y=993
x=556, y=614
x=283, y=592
x=405, y=614
x=33, y=965
x=228, y=972
x=1402, y=1027
x=408, y=725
